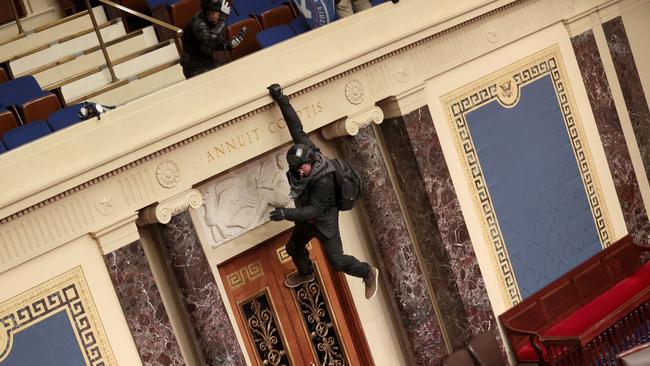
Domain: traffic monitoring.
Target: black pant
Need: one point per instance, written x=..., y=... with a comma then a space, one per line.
x=333, y=248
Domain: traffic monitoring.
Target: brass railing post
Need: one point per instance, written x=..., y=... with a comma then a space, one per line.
x=13, y=9
x=101, y=41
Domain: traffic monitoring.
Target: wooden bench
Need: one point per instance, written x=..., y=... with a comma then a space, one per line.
x=588, y=315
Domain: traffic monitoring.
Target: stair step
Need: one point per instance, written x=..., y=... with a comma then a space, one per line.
x=43, y=37
x=9, y=31
x=148, y=82
x=92, y=58
x=26, y=64
x=125, y=68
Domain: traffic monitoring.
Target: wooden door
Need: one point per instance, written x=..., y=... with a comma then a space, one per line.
x=313, y=324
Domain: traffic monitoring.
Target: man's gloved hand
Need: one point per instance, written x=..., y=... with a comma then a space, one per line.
x=225, y=7
x=278, y=214
x=236, y=40
x=275, y=90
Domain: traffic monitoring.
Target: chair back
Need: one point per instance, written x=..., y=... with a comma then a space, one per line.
x=182, y=11
x=19, y=90
x=485, y=350
x=249, y=44
x=459, y=358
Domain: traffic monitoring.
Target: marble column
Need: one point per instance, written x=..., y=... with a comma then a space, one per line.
x=424, y=179
x=400, y=267
x=143, y=307
x=199, y=292
x=611, y=132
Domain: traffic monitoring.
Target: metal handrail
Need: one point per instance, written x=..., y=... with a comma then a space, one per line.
x=178, y=32
x=16, y=17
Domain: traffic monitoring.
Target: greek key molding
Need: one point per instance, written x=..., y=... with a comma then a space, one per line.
x=162, y=212
x=68, y=292
x=547, y=62
x=350, y=126
x=245, y=274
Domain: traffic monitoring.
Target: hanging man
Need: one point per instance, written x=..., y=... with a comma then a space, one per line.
x=313, y=189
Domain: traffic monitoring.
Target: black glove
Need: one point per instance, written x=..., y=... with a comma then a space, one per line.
x=236, y=40
x=278, y=214
x=275, y=90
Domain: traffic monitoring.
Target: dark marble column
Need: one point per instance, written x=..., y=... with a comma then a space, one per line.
x=199, y=293
x=400, y=266
x=440, y=228
x=611, y=135
x=143, y=307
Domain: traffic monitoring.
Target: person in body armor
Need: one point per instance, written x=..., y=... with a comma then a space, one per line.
x=206, y=33
x=313, y=189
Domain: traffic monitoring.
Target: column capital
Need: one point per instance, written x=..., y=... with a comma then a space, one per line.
x=350, y=126
x=405, y=102
x=118, y=234
x=163, y=211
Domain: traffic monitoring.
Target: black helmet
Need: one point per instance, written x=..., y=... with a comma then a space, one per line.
x=211, y=5
x=300, y=154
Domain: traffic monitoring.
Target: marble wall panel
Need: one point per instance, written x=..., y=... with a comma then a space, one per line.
x=611, y=134
x=434, y=257
x=199, y=292
x=441, y=196
x=400, y=268
x=143, y=307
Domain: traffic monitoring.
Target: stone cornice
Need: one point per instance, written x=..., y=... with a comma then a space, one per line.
x=116, y=235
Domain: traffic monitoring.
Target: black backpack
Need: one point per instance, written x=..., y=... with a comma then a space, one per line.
x=349, y=184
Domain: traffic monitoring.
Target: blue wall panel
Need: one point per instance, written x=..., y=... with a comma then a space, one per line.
x=536, y=188
x=50, y=342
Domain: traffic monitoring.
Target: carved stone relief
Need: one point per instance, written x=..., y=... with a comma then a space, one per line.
x=242, y=199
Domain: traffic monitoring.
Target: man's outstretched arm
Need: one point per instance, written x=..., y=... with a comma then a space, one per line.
x=290, y=116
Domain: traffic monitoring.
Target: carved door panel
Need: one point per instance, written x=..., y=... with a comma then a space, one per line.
x=313, y=324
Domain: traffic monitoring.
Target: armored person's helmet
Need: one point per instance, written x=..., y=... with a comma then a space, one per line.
x=210, y=5
x=298, y=155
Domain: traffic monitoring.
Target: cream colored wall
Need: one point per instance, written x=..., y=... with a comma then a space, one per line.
x=465, y=74
x=376, y=315
x=82, y=252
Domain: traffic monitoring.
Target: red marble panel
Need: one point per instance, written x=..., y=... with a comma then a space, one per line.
x=400, y=266
x=199, y=293
x=609, y=125
x=143, y=307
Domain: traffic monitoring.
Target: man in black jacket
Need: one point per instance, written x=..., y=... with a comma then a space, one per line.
x=205, y=34
x=313, y=189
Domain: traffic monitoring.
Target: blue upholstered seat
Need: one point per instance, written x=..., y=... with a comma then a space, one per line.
x=153, y=3
x=377, y=2
x=2, y=147
x=273, y=35
x=64, y=117
x=299, y=25
x=252, y=7
x=25, y=133
x=19, y=91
